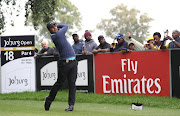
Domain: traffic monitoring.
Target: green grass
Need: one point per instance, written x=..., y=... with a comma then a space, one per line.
x=35, y=108
x=87, y=104
x=62, y=96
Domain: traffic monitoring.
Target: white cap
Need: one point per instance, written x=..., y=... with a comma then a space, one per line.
x=130, y=42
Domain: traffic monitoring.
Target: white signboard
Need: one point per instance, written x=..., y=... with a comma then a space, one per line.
x=82, y=76
x=49, y=74
x=16, y=77
x=17, y=64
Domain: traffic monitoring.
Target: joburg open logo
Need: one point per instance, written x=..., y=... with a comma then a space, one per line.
x=49, y=74
x=17, y=81
x=17, y=43
x=124, y=85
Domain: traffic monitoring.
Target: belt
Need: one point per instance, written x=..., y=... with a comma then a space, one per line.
x=68, y=61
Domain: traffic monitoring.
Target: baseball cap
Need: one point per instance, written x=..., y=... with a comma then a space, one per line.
x=150, y=38
x=75, y=34
x=130, y=42
x=87, y=33
x=100, y=37
x=50, y=24
x=119, y=36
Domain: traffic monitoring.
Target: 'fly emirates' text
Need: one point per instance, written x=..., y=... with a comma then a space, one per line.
x=124, y=85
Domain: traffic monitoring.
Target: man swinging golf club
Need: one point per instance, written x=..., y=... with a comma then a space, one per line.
x=67, y=64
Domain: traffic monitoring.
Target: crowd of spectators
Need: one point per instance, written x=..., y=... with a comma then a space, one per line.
x=125, y=45
x=120, y=44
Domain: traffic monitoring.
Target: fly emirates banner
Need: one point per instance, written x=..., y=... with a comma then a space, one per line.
x=144, y=72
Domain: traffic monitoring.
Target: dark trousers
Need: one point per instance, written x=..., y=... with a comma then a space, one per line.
x=69, y=71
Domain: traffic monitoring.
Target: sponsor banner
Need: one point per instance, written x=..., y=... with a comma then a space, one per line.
x=14, y=47
x=49, y=74
x=145, y=72
x=82, y=75
x=17, y=64
x=85, y=76
x=175, y=72
x=46, y=70
x=18, y=75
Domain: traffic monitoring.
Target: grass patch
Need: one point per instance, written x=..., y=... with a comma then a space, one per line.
x=35, y=108
x=62, y=96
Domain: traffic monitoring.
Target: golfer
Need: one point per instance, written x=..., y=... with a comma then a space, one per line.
x=67, y=64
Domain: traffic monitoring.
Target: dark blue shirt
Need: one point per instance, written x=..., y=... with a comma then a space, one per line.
x=119, y=47
x=173, y=45
x=63, y=46
x=49, y=51
x=105, y=45
x=78, y=47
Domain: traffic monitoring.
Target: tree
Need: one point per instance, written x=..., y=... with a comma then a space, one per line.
x=61, y=11
x=6, y=12
x=40, y=12
x=124, y=20
x=2, y=24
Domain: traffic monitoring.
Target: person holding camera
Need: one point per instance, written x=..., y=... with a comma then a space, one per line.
x=175, y=41
x=150, y=43
x=120, y=46
x=67, y=64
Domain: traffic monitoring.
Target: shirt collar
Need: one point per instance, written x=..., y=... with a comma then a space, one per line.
x=52, y=34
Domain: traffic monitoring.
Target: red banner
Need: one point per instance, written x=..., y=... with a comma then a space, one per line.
x=145, y=72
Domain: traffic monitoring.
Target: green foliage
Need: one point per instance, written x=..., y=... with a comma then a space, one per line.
x=6, y=7
x=40, y=12
x=124, y=20
x=2, y=23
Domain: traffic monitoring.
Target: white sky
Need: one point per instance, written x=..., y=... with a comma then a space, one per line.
x=164, y=12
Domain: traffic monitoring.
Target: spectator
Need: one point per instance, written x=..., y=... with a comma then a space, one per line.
x=151, y=40
x=157, y=38
x=78, y=44
x=103, y=47
x=121, y=45
x=138, y=46
x=90, y=45
x=150, y=43
x=131, y=46
x=45, y=50
x=175, y=41
x=56, y=52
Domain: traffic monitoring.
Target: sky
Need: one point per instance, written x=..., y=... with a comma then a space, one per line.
x=164, y=12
